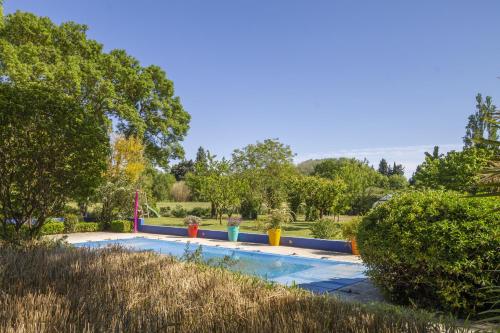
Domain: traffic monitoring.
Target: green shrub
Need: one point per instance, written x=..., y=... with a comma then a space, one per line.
x=200, y=212
x=51, y=227
x=165, y=211
x=70, y=222
x=326, y=229
x=121, y=226
x=350, y=228
x=249, y=209
x=87, y=227
x=434, y=249
x=179, y=211
x=10, y=233
x=278, y=218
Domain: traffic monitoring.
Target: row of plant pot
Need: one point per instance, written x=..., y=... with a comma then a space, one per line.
x=277, y=219
x=233, y=229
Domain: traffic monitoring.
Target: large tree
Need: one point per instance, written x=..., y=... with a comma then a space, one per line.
x=359, y=177
x=125, y=168
x=265, y=165
x=51, y=151
x=34, y=51
x=322, y=196
x=181, y=169
x=219, y=185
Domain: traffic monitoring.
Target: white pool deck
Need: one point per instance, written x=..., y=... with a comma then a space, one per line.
x=362, y=291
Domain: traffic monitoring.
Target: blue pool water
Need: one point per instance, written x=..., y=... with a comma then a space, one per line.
x=319, y=275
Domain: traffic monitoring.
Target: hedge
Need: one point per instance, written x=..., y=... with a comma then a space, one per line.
x=52, y=227
x=434, y=249
x=70, y=222
x=121, y=226
x=87, y=227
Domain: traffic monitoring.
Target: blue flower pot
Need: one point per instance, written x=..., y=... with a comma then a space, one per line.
x=232, y=233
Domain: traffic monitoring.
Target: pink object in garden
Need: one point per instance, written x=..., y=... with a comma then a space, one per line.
x=135, y=209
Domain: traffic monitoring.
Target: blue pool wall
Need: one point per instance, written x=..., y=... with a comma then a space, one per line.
x=307, y=243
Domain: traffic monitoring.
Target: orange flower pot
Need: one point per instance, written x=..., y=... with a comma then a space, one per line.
x=354, y=247
x=193, y=230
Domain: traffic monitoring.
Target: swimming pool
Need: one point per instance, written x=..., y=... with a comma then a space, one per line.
x=319, y=275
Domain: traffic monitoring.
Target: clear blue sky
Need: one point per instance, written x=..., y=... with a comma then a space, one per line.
x=357, y=78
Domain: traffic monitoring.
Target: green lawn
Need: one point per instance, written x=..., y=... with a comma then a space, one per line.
x=297, y=229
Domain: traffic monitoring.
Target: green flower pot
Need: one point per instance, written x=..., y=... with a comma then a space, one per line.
x=232, y=233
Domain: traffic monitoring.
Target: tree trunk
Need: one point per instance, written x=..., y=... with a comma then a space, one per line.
x=212, y=210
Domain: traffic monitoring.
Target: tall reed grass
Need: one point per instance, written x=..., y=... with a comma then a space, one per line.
x=63, y=289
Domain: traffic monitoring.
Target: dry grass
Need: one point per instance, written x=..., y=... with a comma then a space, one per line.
x=58, y=289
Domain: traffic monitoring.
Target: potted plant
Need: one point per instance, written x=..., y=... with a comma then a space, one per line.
x=349, y=231
x=233, y=228
x=192, y=223
x=277, y=219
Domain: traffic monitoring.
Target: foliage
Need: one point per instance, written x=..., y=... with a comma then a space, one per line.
x=127, y=159
x=433, y=249
x=326, y=229
x=202, y=157
x=125, y=168
x=264, y=166
x=457, y=170
x=358, y=177
x=181, y=169
x=386, y=170
x=278, y=217
x=117, y=201
x=121, y=226
x=383, y=167
x=51, y=151
x=218, y=185
x=70, y=222
x=250, y=205
x=234, y=222
x=397, y=182
x=82, y=290
x=179, y=211
x=156, y=184
x=52, y=227
x=322, y=195
x=180, y=192
x=481, y=130
x=350, y=228
x=192, y=220
x=165, y=211
x=38, y=53
x=490, y=175
x=87, y=227
x=199, y=211
x=307, y=167
x=295, y=194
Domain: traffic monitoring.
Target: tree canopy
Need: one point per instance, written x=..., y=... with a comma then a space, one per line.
x=481, y=130
x=457, y=170
x=112, y=85
x=265, y=165
x=51, y=151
